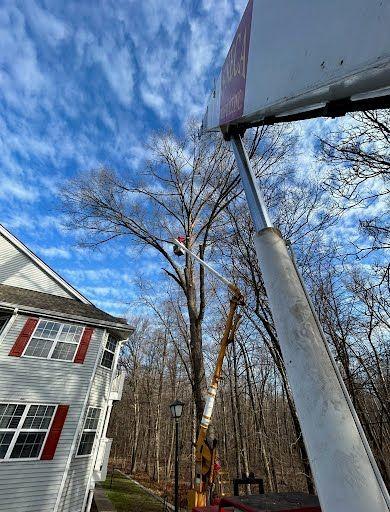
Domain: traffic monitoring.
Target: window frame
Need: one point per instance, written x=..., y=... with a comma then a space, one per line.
x=55, y=341
x=19, y=429
x=88, y=430
x=105, y=349
x=8, y=316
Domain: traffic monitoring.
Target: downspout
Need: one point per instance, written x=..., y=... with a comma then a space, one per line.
x=90, y=496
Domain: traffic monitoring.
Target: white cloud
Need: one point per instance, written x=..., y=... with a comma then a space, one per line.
x=201, y=48
x=118, y=67
x=45, y=24
x=20, y=73
x=121, y=293
x=114, y=57
x=156, y=16
x=176, y=75
x=155, y=102
x=97, y=275
x=15, y=188
x=54, y=252
x=115, y=308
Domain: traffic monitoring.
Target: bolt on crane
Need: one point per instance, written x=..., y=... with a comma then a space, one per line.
x=205, y=452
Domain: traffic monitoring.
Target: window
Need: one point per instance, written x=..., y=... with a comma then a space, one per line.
x=4, y=317
x=109, y=352
x=89, y=431
x=23, y=429
x=53, y=340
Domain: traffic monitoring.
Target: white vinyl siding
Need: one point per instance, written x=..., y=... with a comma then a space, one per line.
x=53, y=340
x=17, y=269
x=33, y=485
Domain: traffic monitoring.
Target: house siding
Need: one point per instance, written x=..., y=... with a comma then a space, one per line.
x=76, y=486
x=33, y=486
x=17, y=269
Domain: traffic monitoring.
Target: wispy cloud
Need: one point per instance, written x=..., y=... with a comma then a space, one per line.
x=45, y=25
x=14, y=188
x=20, y=73
x=54, y=252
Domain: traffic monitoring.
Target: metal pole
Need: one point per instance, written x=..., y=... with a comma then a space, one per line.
x=254, y=197
x=177, y=466
x=204, y=264
x=345, y=472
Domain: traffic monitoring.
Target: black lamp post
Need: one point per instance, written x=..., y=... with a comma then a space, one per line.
x=176, y=410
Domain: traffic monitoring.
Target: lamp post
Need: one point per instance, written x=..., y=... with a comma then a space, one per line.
x=176, y=410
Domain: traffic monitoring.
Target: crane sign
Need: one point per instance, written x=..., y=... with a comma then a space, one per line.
x=292, y=60
x=301, y=59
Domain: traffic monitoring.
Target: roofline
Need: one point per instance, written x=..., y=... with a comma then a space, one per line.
x=43, y=266
x=65, y=316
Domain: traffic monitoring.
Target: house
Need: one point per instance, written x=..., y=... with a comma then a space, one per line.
x=58, y=381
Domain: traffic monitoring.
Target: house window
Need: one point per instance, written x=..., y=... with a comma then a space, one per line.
x=4, y=317
x=109, y=353
x=23, y=429
x=53, y=340
x=89, y=431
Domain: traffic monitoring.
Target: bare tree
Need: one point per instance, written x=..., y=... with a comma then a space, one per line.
x=359, y=158
x=186, y=186
x=355, y=316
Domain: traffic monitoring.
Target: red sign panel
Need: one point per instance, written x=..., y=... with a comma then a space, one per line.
x=233, y=75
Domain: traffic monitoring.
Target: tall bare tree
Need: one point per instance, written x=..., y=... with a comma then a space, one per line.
x=183, y=190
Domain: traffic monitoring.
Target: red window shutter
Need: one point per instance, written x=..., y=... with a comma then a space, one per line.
x=24, y=337
x=83, y=347
x=55, y=432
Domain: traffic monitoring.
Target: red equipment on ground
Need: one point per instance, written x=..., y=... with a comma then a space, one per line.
x=272, y=502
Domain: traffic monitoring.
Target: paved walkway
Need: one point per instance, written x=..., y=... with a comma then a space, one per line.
x=102, y=503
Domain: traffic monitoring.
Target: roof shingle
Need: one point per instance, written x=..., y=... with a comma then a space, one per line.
x=54, y=303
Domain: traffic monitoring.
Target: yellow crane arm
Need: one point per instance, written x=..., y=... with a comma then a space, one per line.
x=204, y=456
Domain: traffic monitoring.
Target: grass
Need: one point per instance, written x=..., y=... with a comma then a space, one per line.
x=128, y=497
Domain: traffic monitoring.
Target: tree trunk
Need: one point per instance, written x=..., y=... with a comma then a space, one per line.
x=243, y=449
x=158, y=413
x=133, y=465
x=196, y=352
x=258, y=423
x=234, y=421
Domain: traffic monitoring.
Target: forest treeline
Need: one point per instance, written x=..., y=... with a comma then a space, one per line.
x=330, y=200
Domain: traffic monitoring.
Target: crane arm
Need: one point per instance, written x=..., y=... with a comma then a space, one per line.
x=212, y=390
x=204, y=456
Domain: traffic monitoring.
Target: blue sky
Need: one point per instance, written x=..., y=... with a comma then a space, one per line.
x=84, y=84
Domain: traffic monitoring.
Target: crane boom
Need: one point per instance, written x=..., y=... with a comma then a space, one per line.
x=205, y=454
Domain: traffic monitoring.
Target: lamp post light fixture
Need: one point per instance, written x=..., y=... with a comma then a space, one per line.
x=176, y=411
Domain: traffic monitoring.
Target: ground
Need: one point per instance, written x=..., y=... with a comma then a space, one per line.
x=129, y=497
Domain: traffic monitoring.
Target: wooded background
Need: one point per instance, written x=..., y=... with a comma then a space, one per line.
x=334, y=214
